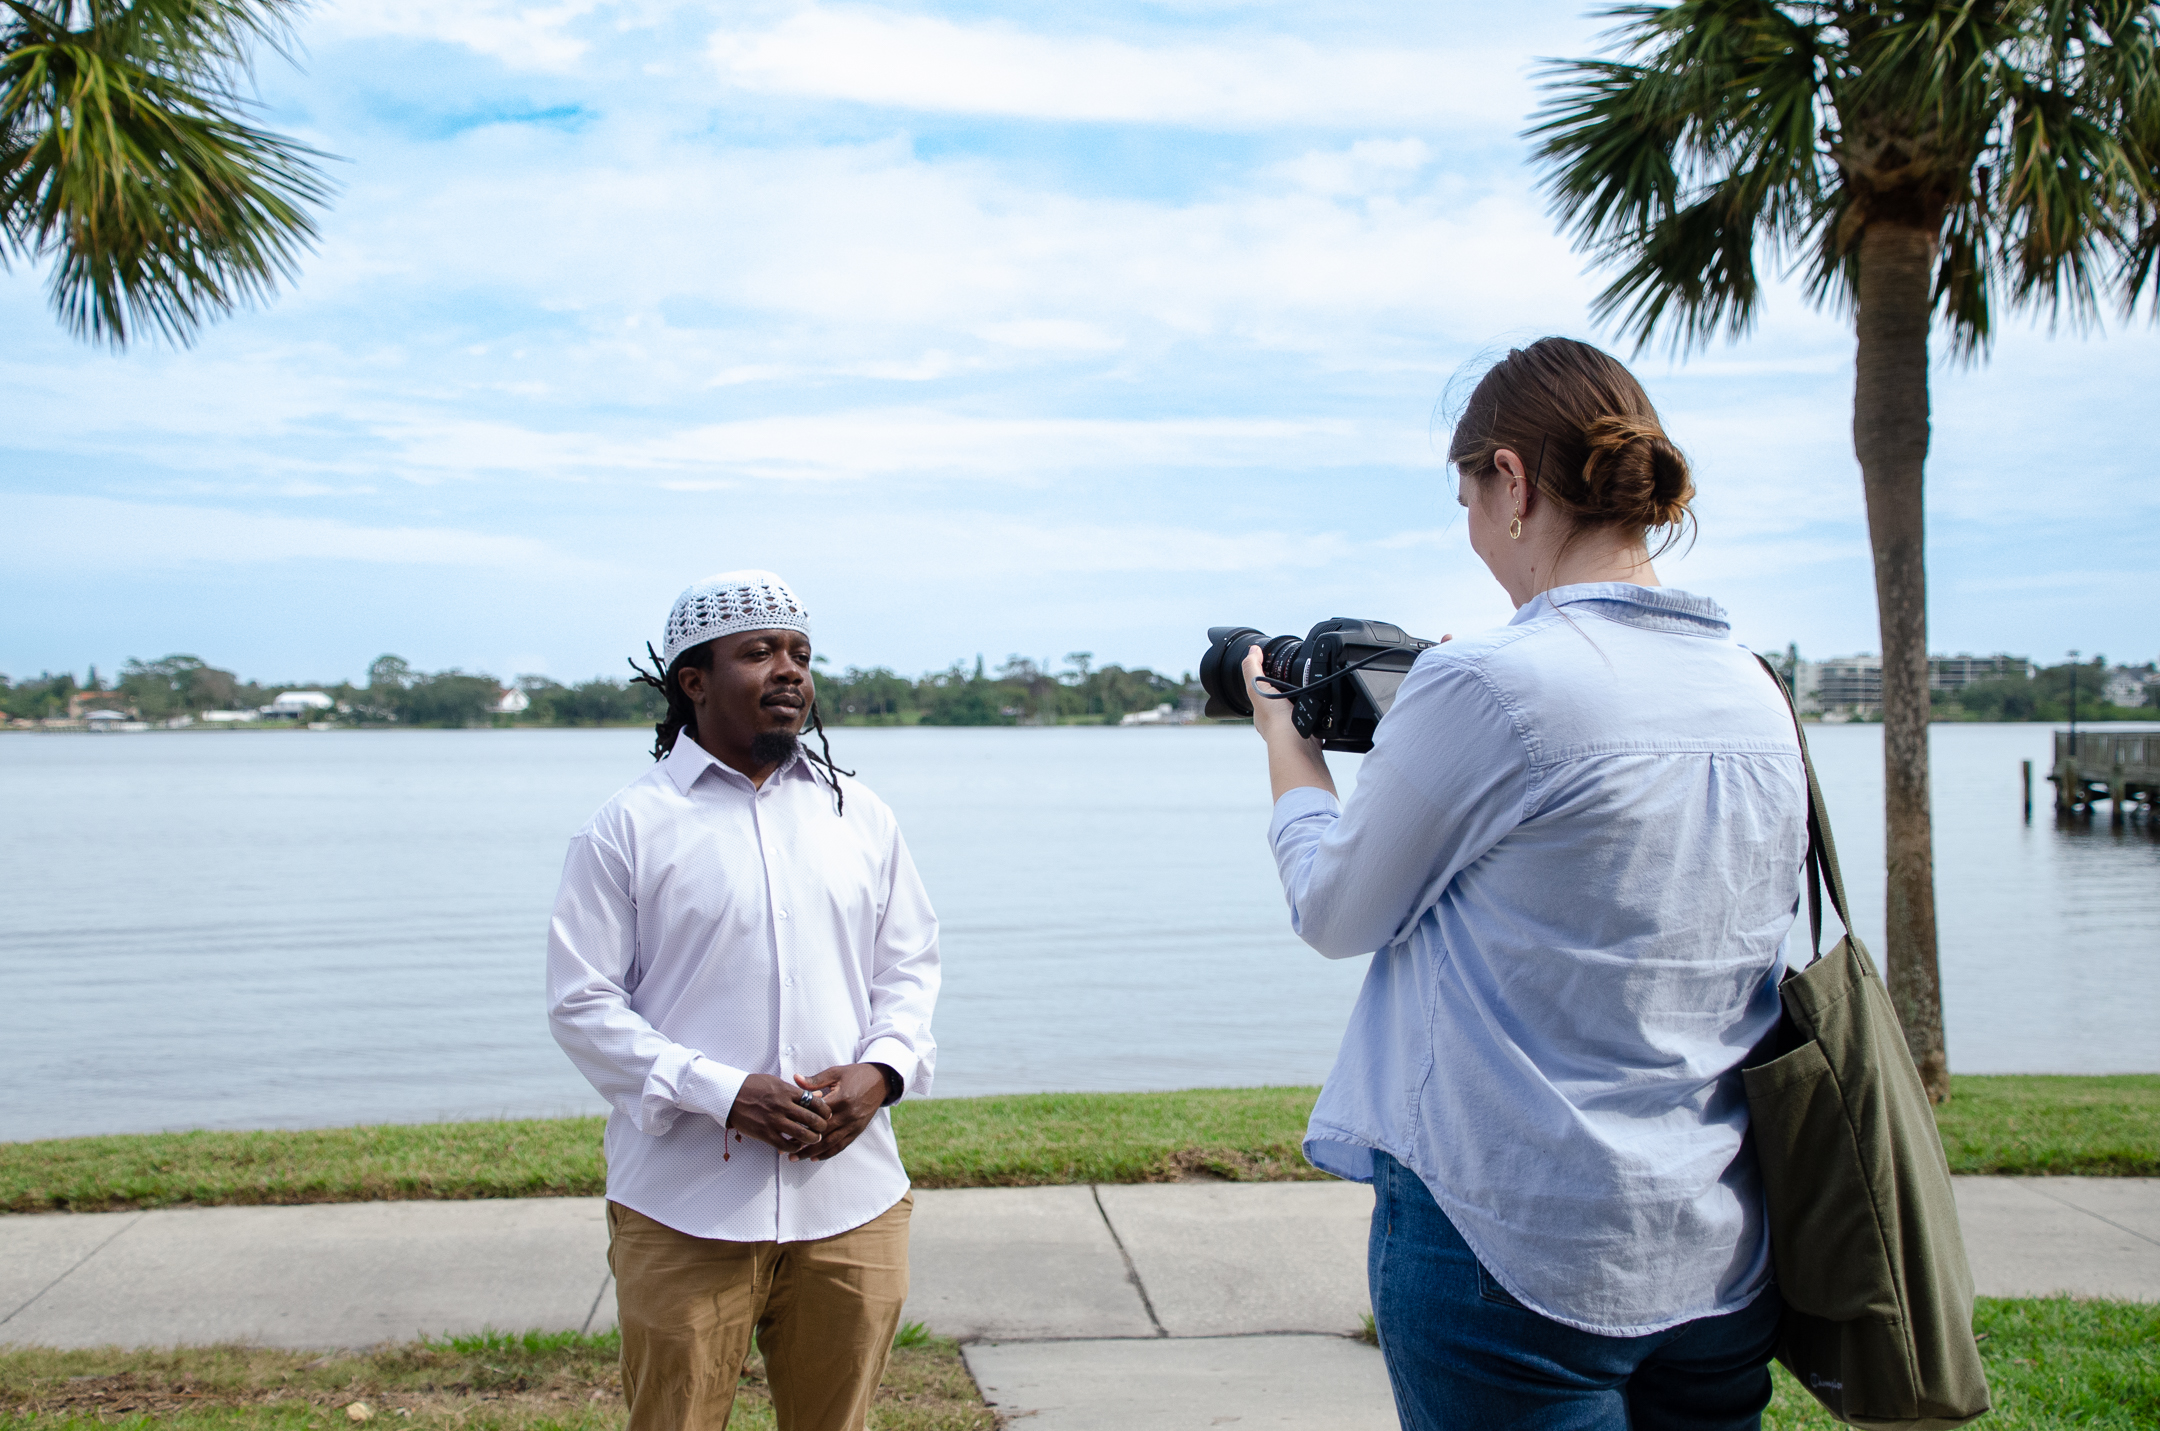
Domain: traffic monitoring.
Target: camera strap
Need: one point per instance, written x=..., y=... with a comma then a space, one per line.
x=1294, y=692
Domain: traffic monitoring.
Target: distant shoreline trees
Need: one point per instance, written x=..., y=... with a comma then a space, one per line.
x=1022, y=691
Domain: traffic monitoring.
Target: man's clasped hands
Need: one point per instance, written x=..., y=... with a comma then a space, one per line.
x=841, y=1102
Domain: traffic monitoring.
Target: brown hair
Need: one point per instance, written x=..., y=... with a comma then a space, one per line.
x=1585, y=431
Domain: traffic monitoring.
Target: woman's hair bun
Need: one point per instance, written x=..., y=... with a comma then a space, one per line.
x=1584, y=428
x=1633, y=474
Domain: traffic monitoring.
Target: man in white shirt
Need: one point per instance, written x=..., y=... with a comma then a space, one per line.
x=743, y=961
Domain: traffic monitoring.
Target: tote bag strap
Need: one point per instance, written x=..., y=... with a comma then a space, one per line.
x=1822, y=859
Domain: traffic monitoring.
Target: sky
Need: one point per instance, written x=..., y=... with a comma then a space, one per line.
x=995, y=329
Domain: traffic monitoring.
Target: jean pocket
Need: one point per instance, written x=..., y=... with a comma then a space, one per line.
x=1490, y=1290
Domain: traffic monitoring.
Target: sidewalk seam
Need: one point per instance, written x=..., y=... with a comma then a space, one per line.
x=594, y=1309
x=2111, y=1222
x=1132, y=1272
x=72, y=1270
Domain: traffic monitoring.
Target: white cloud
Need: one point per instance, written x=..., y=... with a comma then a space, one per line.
x=1021, y=550
x=871, y=254
x=1058, y=335
x=881, y=57
x=885, y=442
x=1366, y=167
x=529, y=37
x=78, y=534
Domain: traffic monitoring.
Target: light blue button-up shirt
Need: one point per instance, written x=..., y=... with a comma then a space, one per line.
x=1576, y=846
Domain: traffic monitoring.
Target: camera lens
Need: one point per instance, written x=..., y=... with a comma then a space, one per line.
x=1221, y=670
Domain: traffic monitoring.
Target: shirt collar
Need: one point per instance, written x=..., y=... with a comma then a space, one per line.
x=688, y=760
x=1654, y=608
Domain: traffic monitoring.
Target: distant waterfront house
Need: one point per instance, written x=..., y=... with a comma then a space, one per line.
x=298, y=705
x=230, y=717
x=81, y=703
x=511, y=702
x=2129, y=686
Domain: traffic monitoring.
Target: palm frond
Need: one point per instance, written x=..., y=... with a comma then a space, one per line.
x=1694, y=274
x=2128, y=69
x=2054, y=204
x=2024, y=133
x=1672, y=164
x=123, y=159
x=1964, y=282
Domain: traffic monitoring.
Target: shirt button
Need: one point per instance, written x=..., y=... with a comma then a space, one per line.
x=783, y=914
x=790, y=983
x=789, y=1049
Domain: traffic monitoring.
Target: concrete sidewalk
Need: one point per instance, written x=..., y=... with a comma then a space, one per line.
x=1129, y=1306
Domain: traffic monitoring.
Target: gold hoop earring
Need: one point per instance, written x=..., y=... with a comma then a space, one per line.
x=1514, y=529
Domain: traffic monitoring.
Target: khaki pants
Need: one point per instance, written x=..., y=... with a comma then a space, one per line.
x=825, y=1313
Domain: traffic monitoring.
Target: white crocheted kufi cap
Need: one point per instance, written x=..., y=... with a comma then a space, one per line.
x=730, y=602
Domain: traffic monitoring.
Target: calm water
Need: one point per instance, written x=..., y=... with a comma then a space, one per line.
x=231, y=930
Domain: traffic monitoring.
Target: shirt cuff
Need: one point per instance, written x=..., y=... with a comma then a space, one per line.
x=1298, y=804
x=710, y=1088
x=896, y=1056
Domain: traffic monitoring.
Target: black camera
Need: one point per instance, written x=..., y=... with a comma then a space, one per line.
x=1339, y=680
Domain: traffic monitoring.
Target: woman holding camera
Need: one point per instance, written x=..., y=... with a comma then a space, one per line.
x=1576, y=848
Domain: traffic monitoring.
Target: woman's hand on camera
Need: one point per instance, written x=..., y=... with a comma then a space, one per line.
x=1270, y=717
x=1294, y=761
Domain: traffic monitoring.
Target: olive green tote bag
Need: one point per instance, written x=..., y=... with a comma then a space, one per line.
x=1863, y=1229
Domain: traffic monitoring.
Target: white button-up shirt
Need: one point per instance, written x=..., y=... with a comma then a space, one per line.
x=707, y=929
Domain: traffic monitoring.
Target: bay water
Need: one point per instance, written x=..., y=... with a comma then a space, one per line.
x=293, y=928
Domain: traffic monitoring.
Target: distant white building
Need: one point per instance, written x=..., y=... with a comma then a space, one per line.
x=1852, y=685
x=1806, y=686
x=1849, y=684
x=1164, y=714
x=511, y=702
x=296, y=705
x=231, y=717
x=1950, y=673
x=2127, y=686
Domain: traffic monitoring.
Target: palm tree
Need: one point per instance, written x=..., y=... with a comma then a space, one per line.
x=123, y=159
x=1922, y=164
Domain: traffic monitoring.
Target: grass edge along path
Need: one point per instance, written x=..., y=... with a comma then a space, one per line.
x=492, y=1381
x=2016, y=1124
x=2051, y=1363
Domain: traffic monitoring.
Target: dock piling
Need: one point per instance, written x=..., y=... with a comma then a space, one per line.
x=2121, y=768
x=2027, y=767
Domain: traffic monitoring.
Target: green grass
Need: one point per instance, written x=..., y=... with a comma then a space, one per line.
x=2056, y=1363
x=1021, y=1140
x=2100, y=1126
x=2104, y=1126
x=534, y=1381
x=542, y=1157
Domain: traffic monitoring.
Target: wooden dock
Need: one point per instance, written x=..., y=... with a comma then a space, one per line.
x=2123, y=770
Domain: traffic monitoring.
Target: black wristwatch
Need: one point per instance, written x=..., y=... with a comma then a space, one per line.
x=895, y=1085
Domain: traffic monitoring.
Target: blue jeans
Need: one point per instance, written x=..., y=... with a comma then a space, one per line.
x=1463, y=1355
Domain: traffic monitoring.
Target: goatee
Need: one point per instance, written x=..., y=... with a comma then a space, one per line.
x=770, y=747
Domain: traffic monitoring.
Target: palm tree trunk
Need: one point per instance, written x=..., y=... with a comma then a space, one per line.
x=1890, y=436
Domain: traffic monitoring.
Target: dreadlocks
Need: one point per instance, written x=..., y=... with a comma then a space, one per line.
x=682, y=716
